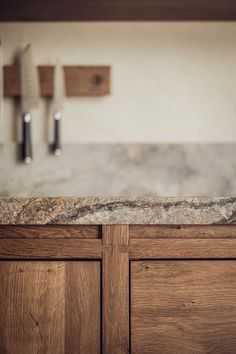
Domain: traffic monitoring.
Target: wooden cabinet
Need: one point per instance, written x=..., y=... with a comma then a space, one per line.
x=183, y=307
x=49, y=307
x=50, y=294
x=118, y=10
x=118, y=289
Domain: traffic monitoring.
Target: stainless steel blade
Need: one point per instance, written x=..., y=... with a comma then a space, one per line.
x=29, y=80
x=57, y=108
x=59, y=88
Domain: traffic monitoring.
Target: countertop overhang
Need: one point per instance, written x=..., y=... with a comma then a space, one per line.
x=117, y=210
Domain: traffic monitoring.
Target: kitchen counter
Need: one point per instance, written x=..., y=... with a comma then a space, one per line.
x=122, y=210
x=123, y=288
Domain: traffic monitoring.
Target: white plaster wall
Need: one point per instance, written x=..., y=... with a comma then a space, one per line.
x=171, y=82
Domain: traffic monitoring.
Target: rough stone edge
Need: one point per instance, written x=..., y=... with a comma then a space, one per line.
x=117, y=210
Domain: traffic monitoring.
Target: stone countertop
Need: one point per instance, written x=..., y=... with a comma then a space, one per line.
x=117, y=210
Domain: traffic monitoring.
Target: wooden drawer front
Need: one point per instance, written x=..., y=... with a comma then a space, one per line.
x=183, y=307
x=49, y=307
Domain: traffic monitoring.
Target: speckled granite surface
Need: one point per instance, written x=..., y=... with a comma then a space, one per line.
x=118, y=210
x=143, y=170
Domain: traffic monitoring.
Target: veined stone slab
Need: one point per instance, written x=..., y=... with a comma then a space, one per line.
x=117, y=210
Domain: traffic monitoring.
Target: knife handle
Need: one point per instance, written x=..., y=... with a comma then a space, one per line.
x=56, y=146
x=27, y=144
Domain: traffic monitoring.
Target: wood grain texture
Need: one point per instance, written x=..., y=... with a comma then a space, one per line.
x=115, y=265
x=49, y=307
x=183, y=307
x=118, y=10
x=83, y=310
x=32, y=307
x=182, y=248
x=182, y=231
x=79, y=80
x=50, y=248
x=50, y=231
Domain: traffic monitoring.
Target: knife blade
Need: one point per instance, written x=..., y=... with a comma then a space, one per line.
x=58, y=100
x=30, y=99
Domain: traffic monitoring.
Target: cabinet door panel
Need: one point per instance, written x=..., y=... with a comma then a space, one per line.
x=46, y=307
x=82, y=332
x=183, y=307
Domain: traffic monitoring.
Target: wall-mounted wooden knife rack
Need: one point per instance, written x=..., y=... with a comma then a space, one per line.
x=79, y=80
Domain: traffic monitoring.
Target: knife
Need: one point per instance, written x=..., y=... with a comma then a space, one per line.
x=1, y=95
x=30, y=99
x=58, y=99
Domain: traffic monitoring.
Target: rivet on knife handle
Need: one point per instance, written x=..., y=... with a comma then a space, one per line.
x=27, y=144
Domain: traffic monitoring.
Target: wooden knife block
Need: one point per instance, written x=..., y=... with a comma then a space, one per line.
x=79, y=80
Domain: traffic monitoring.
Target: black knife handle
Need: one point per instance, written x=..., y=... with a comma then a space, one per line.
x=26, y=143
x=56, y=146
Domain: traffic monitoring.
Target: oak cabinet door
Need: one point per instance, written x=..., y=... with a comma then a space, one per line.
x=49, y=307
x=183, y=307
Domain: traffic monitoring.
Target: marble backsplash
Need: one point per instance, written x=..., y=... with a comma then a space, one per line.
x=121, y=170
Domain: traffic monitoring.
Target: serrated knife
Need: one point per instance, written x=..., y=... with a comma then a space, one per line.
x=57, y=105
x=30, y=99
